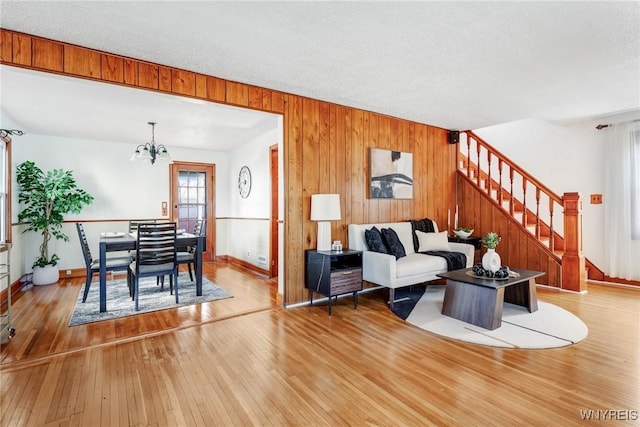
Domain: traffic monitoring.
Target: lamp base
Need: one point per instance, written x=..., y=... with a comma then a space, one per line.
x=324, y=236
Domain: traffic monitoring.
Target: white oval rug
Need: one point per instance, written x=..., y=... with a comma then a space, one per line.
x=549, y=327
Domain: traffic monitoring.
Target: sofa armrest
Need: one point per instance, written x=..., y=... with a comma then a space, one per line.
x=466, y=248
x=378, y=268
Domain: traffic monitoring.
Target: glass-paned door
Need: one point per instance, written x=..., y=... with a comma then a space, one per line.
x=192, y=198
x=192, y=192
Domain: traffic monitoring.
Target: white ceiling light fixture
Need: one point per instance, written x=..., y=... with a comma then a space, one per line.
x=150, y=151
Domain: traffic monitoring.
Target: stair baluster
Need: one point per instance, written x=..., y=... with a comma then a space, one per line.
x=478, y=166
x=500, y=195
x=511, y=204
x=524, y=201
x=552, y=240
x=537, y=229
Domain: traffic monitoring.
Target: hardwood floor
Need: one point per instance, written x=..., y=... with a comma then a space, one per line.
x=252, y=363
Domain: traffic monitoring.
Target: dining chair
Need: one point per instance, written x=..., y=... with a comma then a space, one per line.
x=133, y=228
x=188, y=257
x=118, y=263
x=155, y=256
x=133, y=224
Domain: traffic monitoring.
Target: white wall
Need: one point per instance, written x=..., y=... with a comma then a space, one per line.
x=565, y=158
x=247, y=227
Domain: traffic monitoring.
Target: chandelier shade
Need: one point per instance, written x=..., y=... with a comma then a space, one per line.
x=150, y=152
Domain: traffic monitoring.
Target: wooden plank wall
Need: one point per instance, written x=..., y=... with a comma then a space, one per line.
x=518, y=248
x=326, y=146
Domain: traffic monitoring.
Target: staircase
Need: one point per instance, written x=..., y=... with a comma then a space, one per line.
x=549, y=224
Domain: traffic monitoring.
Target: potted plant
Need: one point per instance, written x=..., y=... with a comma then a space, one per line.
x=491, y=240
x=463, y=232
x=491, y=259
x=46, y=197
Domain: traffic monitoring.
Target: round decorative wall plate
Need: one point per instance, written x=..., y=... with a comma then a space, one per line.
x=244, y=182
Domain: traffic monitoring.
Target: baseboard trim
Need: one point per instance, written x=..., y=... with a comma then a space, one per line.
x=631, y=285
x=619, y=281
x=324, y=299
x=244, y=265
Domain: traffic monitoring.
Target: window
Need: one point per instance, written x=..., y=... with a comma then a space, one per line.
x=192, y=198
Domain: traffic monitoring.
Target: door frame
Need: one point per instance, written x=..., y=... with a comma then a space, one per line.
x=273, y=220
x=210, y=170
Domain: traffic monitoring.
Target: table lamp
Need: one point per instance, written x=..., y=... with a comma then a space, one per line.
x=325, y=208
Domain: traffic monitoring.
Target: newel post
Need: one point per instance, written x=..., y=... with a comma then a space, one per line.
x=573, y=265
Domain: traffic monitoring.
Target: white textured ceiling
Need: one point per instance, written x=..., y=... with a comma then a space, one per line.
x=456, y=65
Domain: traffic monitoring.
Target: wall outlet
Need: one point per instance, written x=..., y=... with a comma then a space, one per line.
x=596, y=199
x=68, y=272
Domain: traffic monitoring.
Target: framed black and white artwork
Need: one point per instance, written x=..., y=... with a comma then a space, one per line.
x=391, y=174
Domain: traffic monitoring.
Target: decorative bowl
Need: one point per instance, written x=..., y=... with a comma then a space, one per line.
x=463, y=234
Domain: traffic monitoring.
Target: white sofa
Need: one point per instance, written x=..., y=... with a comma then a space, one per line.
x=414, y=268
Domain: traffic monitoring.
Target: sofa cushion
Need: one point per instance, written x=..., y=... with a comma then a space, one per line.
x=375, y=242
x=424, y=225
x=419, y=264
x=432, y=241
x=393, y=243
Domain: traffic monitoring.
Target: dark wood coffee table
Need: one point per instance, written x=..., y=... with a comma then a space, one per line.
x=479, y=301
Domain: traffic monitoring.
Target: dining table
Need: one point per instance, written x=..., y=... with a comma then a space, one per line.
x=114, y=242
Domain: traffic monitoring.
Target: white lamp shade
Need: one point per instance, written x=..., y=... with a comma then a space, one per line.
x=144, y=155
x=163, y=156
x=325, y=207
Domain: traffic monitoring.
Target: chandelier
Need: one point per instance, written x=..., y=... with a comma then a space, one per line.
x=150, y=151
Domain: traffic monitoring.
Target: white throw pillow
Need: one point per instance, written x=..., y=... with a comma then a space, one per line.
x=432, y=241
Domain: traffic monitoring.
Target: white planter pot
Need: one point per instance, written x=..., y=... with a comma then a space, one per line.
x=45, y=275
x=491, y=261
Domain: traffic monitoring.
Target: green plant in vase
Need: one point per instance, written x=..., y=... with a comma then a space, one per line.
x=491, y=260
x=463, y=232
x=491, y=240
x=45, y=198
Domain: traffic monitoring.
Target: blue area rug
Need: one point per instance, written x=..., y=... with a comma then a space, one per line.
x=406, y=299
x=152, y=298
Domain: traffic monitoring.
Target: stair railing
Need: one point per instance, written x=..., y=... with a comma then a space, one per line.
x=555, y=221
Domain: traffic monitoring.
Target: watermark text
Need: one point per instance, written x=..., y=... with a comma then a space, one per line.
x=609, y=414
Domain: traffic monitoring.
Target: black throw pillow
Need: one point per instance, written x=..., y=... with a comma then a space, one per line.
x=425, y=225
x=394, y=245
x=374, y=241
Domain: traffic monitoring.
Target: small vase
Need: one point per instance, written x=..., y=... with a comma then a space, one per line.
x=491, y=261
